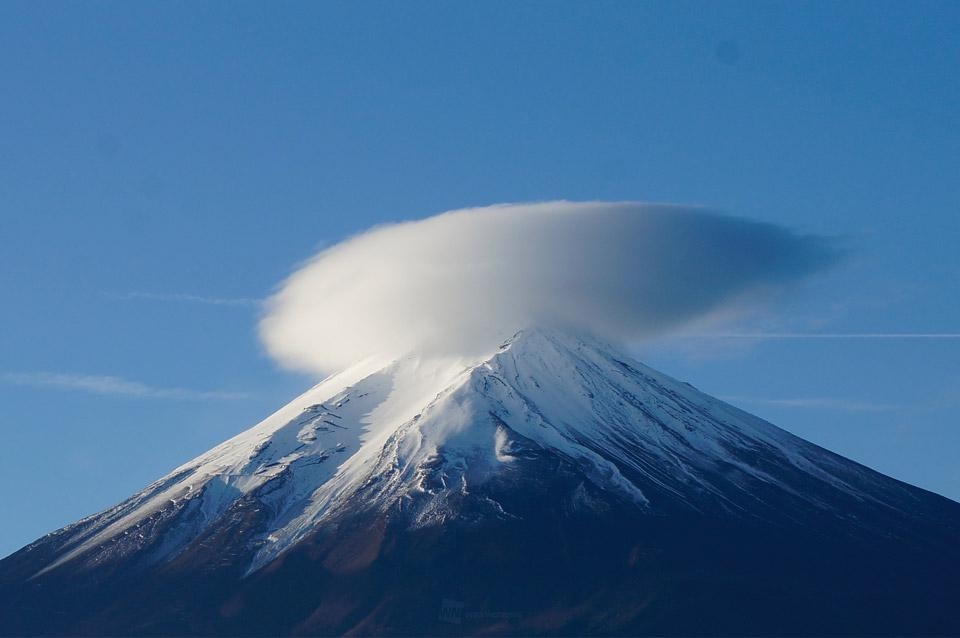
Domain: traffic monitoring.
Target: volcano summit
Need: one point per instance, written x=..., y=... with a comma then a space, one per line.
x=553, y=486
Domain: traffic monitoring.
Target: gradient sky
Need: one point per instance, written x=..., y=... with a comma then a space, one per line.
x=163, y=166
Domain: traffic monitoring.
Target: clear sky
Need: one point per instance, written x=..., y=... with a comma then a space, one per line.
x=165, y=165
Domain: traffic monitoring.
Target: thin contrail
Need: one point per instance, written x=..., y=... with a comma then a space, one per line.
x=829, y=335
x=816, y=402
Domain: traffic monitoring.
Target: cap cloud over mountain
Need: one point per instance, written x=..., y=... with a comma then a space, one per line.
x=460, y=281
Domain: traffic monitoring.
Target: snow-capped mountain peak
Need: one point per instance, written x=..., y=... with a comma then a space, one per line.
x=418, y=434
x=553, y=472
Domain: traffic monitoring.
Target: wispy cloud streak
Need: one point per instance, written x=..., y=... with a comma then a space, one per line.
x=112, y=385
x=186, y=297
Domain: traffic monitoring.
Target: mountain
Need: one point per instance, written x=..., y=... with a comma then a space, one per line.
x=552, y=487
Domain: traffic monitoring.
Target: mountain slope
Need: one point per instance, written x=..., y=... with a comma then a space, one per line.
x=553, y=486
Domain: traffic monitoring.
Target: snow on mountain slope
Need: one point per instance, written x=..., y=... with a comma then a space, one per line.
x=418, y=435
x=301, y=445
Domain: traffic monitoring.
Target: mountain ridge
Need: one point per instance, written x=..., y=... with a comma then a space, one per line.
x=549, y=433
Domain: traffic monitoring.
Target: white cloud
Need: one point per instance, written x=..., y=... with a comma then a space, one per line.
x=460, y=281
x=97, y=384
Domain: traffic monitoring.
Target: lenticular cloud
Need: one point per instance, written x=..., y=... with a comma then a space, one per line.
x=459, y=282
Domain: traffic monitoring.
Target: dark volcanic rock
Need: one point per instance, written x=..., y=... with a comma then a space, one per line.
x=553, y=489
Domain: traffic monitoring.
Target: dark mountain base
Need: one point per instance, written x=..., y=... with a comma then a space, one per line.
x=565, y=574
x=554, y=489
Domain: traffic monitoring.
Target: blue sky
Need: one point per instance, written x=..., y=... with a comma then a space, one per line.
x=163, y=166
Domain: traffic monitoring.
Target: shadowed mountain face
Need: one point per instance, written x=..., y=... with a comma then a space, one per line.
x=553, y=487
